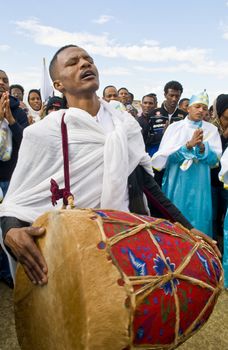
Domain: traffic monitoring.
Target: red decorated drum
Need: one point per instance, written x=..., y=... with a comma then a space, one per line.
x=116, y=281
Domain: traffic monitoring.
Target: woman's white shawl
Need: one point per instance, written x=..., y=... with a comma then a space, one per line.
x=34, y=114
x=177, y=135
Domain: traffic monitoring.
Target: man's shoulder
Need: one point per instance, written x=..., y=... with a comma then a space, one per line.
x=45, y=126
x=157, y=112
x=176, y=126
x=180, y=114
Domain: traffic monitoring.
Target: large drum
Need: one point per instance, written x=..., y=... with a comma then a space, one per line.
x=116, y=281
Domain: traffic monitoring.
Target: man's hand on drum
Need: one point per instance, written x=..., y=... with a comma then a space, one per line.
x=21, y=242
x=206, y=238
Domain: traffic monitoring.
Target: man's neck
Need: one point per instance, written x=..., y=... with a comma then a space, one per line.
x=90, y=104
x=169, y=109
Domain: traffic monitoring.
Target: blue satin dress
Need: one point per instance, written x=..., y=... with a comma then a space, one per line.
x=190, y=190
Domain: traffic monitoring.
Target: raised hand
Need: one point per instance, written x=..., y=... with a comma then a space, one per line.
x=197, y=138
x=5, y=101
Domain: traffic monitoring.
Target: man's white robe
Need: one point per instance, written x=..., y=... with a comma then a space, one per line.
x=102, y=154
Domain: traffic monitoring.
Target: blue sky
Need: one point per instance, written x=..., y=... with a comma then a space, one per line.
x=140, y=45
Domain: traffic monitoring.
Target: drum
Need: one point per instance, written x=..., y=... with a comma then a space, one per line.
x=116, y=281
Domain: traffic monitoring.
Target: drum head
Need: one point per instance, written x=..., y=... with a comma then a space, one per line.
x=82, y=301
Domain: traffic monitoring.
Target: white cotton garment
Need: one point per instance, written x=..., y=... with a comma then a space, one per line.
x=34, y=114
x=103, y=151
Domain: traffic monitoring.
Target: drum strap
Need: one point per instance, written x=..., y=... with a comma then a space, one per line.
x=64, y=193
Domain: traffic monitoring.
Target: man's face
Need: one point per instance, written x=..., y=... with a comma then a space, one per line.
x=197, y=112
x=172, y=97
x=34, y=101
x=111, y=94
x=184, y=105
x=148, y=104
x=17, y=93
x=76, y=72
x=123, y=96
x=4, y=83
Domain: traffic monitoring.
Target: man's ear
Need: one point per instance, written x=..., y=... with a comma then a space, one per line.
x=58, y=86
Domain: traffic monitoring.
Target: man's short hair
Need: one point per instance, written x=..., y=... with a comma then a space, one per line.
x=106, y=87
x=174, y=85
x=16, y=86
x=54, y=59
x=183, y=99
x=152, y=95
x=123, y=88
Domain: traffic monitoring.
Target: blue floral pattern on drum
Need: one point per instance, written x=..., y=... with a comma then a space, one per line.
x=161, y=269
x=204, y=263
x=138, y=264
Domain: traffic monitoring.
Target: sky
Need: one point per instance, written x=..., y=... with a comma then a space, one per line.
x=140, y=45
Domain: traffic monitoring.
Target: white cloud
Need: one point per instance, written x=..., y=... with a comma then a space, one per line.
x=224, y=28
x=50, y=36
x=150, y=42
x=115, y=71
x=208, y=68
x=225, y=35
x=4, y=48
x=103, y=46
x=103, y=19
x=29, y=79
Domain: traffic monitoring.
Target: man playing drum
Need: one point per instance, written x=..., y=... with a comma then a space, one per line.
x=108, y=164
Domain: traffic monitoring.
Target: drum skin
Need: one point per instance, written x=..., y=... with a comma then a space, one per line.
x=116, y=281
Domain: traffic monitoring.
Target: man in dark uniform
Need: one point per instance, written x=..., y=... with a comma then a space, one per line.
x=163, y=116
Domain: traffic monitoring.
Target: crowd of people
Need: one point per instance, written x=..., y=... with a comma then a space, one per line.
x=172, y=150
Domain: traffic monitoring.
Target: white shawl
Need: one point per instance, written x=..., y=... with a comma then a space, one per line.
x=99, y=162
x=34, y=114
x=178, y=134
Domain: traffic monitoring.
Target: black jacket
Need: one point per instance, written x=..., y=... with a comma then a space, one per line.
x=153, y=132
x=6, y=168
